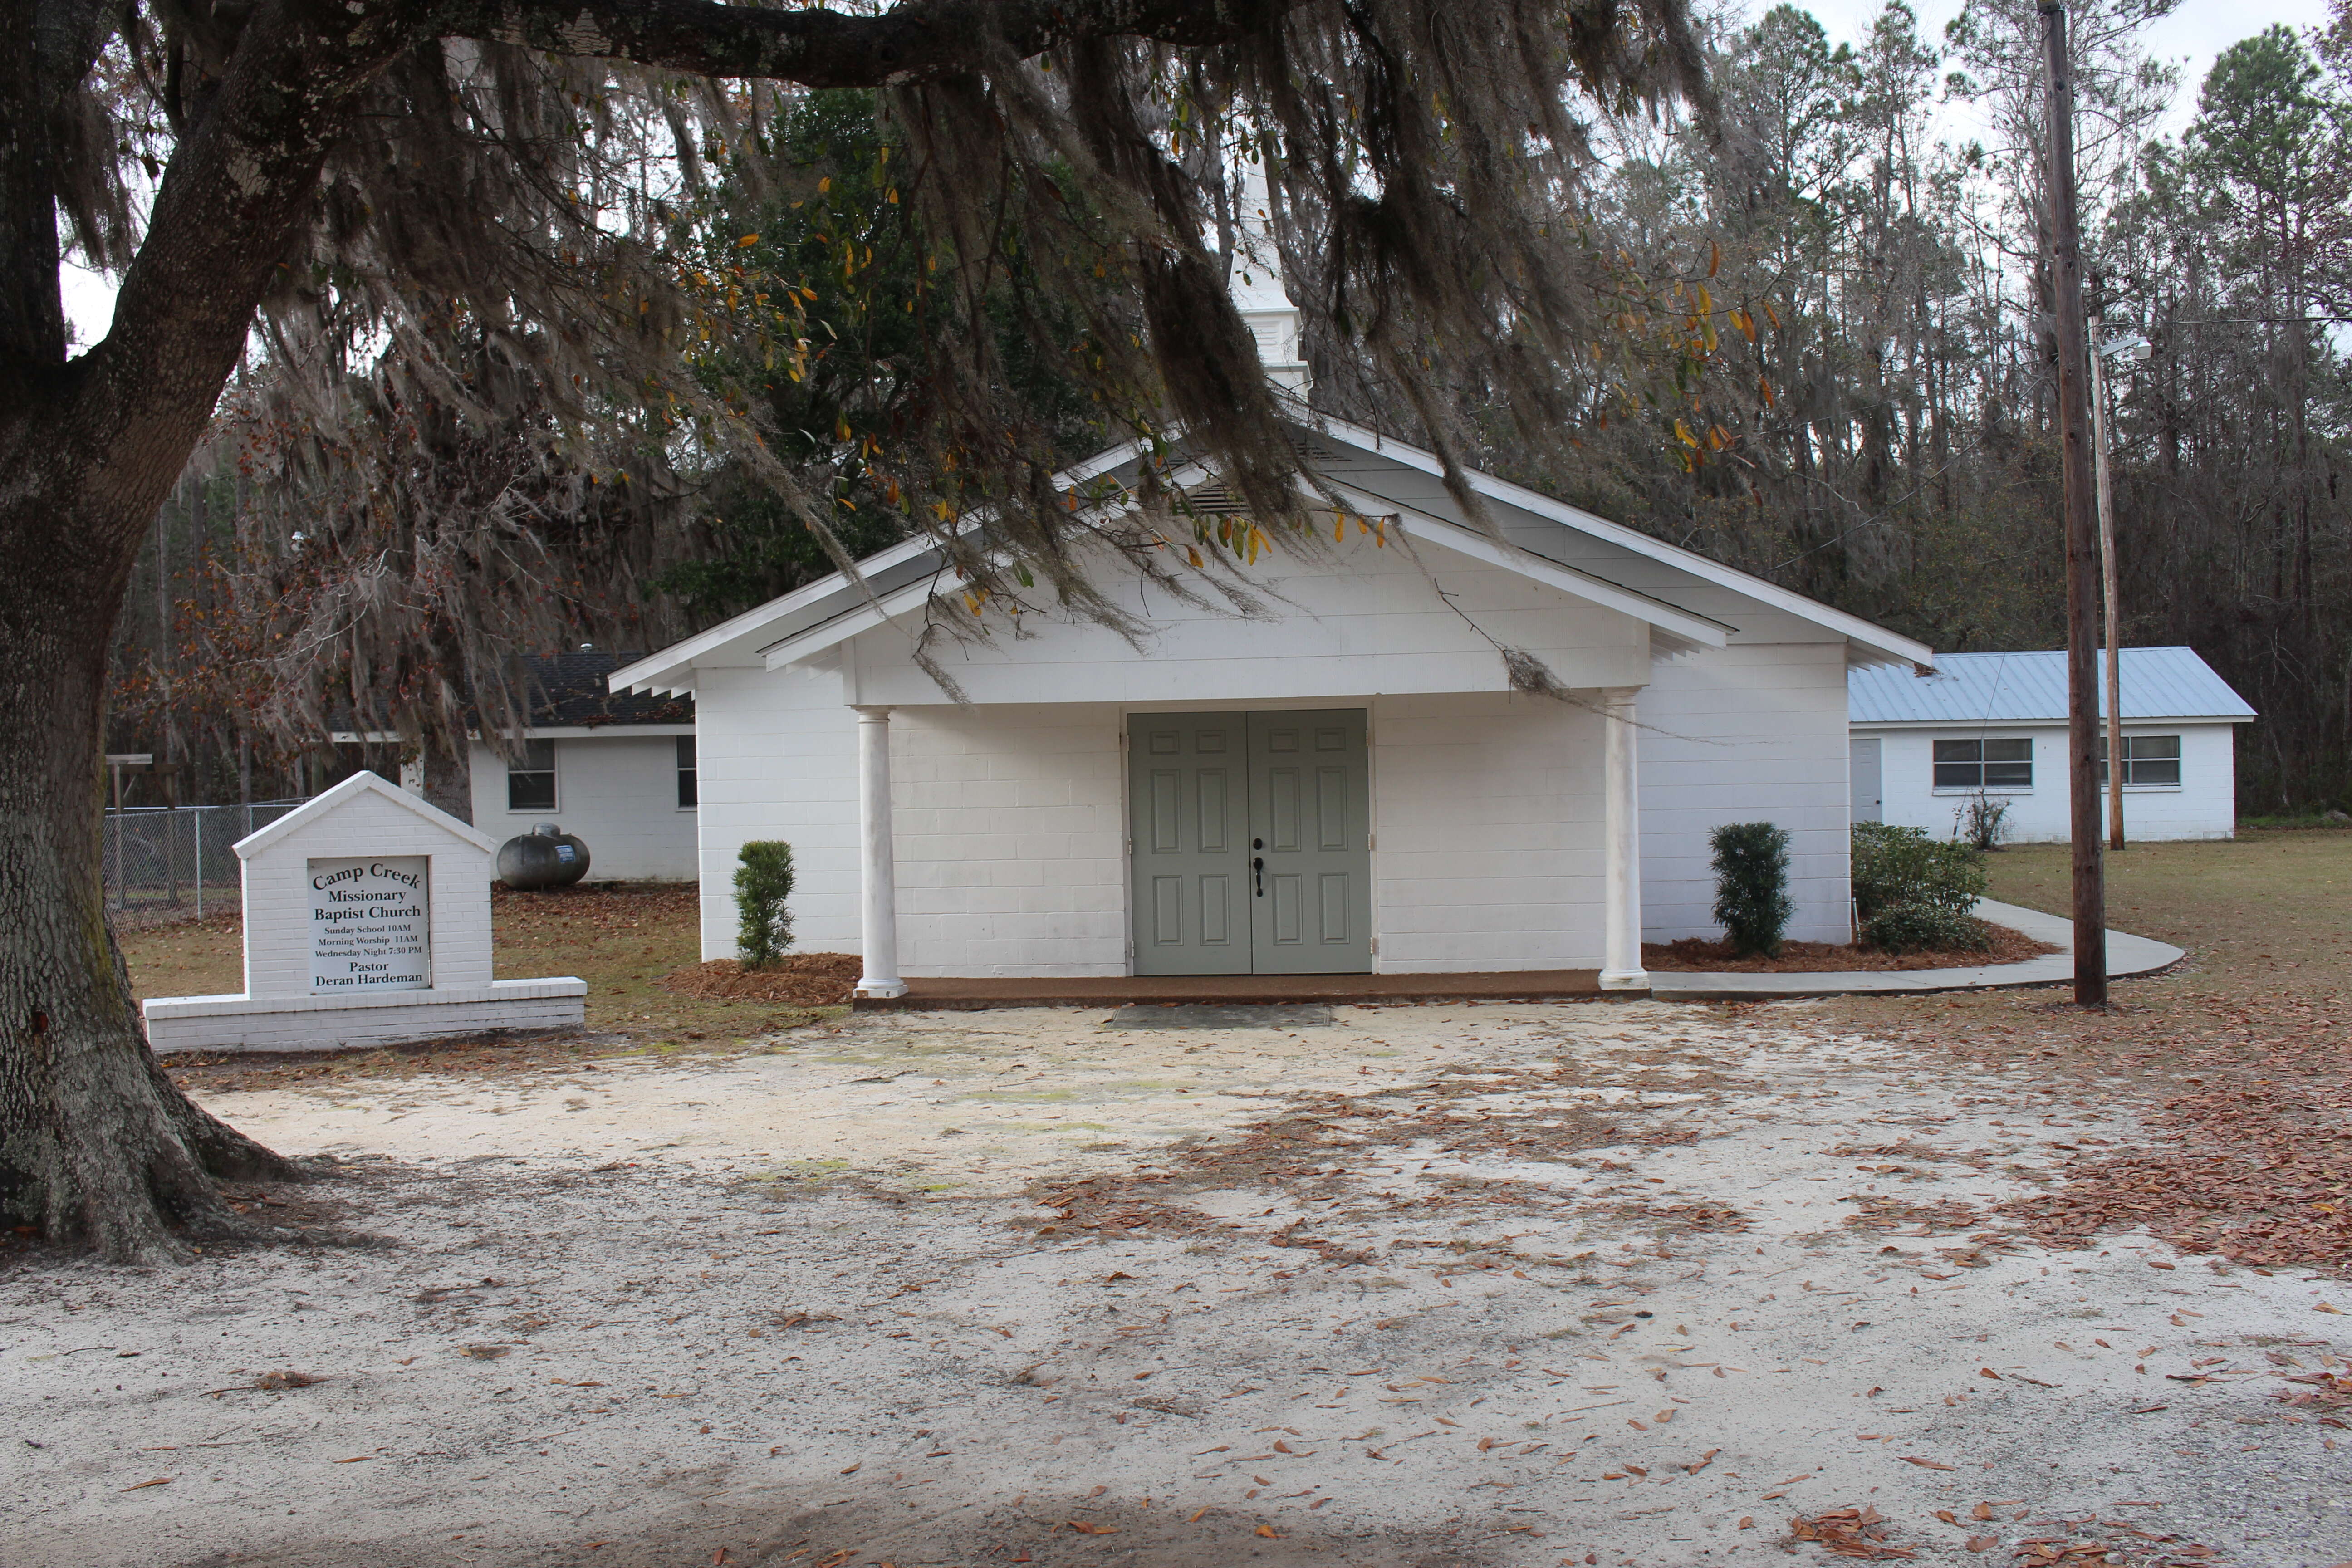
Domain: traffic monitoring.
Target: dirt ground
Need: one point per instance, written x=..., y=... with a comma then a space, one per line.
x=1630, y=1283
x=1412, y=1287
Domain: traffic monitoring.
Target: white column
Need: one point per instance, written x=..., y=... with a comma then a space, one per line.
x=1621, y=966
x=877, y=866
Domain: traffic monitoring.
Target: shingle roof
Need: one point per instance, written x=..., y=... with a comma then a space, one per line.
x=568, y=689
x=2025, y=687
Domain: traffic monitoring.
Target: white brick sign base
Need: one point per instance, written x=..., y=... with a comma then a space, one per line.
x=368, y=822
x=238, y=1023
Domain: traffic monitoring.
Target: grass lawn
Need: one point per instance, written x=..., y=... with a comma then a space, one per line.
x=2269, y=915
x=620, y=939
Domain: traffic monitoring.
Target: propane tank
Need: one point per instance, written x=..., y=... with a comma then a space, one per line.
x=545, y=857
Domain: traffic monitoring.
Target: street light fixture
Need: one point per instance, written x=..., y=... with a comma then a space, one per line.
x=2127, y=351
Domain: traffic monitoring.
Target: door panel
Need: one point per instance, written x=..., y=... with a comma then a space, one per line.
x=1310, y=805
x=1869, y=804
x=1191, y=859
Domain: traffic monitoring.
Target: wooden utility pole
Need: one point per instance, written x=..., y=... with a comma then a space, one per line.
x=2110, y=597
x=2082, y=518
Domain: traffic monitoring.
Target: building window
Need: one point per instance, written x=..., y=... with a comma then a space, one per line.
x=686, y=795
x=531, y=778
x=1984, y=765
x=2148, y=760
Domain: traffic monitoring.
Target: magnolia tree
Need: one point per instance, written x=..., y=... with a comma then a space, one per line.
x=464, y=218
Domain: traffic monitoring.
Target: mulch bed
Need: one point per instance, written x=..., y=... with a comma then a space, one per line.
x=1821, y=957
x=798, y=979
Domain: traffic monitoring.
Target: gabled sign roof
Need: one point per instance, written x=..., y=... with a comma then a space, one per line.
x=360, y=783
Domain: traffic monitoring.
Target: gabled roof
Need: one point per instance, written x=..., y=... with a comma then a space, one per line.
x=361, y=782
x=898, y=580
x=568, y=690
x=2031, y=688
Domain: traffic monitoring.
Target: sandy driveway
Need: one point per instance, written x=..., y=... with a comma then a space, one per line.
x=1507, y=1285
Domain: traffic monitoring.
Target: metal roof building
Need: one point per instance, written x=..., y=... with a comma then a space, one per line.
x=2031, y=688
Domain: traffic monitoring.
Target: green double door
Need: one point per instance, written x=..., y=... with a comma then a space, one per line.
x=1252, y=843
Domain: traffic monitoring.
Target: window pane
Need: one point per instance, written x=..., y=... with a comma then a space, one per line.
x=2009, y=775
x=1959, y=751
x=2151, y=747
x=1957, y=775
x=2155, y=771
x=531, y=782
x=686, y=751
x=2009, y=751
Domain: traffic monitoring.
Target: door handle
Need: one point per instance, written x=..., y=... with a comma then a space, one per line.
x=1257, y=873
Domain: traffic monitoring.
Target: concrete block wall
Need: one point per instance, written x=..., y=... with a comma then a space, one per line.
x=1755, y=733
x=617, y=791
x=1011, y=839
x=325, y=1023
x=1486, y=814
x=2204, y=806
x=778, y=760
x=278, y=893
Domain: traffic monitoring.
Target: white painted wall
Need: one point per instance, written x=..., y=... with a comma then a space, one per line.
x=617, y=791
x=1011, y=839
x=778, y=760
x=2205, y=805
x=1755, y=733
x=1012, y=824
x=1365, y=618
x=1486, y=817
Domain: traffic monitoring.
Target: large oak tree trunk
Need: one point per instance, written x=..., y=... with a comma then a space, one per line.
x=97, y=1144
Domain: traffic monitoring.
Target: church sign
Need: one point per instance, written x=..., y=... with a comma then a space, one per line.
x=367, y=922
x=370, y=924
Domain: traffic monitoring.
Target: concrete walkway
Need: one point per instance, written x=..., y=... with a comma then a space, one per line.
x=2127, y=956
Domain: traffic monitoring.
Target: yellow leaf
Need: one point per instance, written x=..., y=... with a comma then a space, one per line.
x=824, y=184
x=1682, y=433
x=747, y=240
x=1267, y=1531
x=1714, y=258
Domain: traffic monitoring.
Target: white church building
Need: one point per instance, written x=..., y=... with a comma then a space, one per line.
x=1347, y=784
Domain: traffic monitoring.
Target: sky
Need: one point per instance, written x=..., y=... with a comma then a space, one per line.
x=2190, y=36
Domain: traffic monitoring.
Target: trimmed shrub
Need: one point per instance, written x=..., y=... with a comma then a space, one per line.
x=1911, y=892
x=1752, y=886
x=763, y=881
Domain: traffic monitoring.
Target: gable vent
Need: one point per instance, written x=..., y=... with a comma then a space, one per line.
x=1215, y=500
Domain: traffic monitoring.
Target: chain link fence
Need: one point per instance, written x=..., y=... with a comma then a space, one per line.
x=162, y=858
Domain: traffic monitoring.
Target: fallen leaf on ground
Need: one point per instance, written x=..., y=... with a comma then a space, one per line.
x=1850, y=1533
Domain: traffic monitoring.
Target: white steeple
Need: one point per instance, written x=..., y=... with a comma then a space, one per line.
x=1256, y=280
